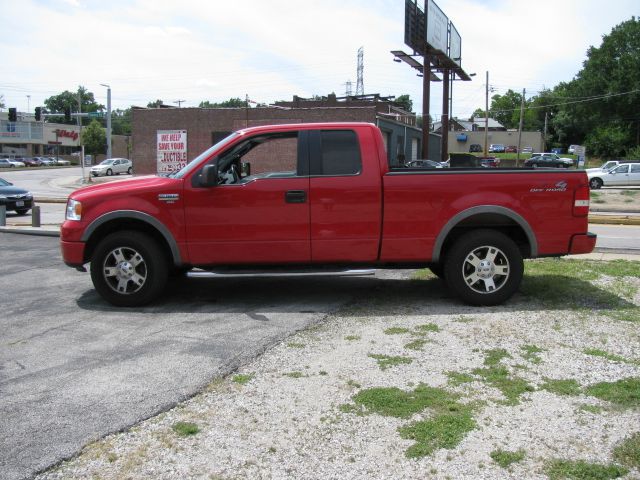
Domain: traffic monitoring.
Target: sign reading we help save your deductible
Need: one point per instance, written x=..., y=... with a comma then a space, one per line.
x=172, y=150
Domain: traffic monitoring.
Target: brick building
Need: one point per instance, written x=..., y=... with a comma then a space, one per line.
x=206, y=126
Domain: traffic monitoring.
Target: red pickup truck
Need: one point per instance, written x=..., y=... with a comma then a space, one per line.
x=312, y=199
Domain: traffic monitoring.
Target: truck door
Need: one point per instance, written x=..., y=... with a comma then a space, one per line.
x=345, y=196
x=261, y=217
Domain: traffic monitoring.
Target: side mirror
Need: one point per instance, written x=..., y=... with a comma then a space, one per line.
x=209, y=176
x=246, y=169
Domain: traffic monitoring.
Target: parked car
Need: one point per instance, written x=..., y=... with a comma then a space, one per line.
x=8, y=163
x=548, y=160
x=49, y=161
x=490, y=162
x=557, y=151
x=527, y=150
x=572, y=149
x=62, y=162
x=112, y=166
x=426, y=164
x=496, y=148
x=475, y=147
x=511, y=149
x=15, y=198
x=625, y=174
x=31, y=162
x=608, y=165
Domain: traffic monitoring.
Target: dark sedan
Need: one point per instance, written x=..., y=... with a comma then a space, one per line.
x=548, y=160
x=15, y=198
x=425, y=164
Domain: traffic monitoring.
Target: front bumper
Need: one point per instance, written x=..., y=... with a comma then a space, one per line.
x=583, y=243
x=17, y=204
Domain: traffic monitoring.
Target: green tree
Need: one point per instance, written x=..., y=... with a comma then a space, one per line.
x=67, y=99
x=231, y=103
x=94, y=138
x=506, y=108
x=121, y=122
x=404, y=102
x=157, y=104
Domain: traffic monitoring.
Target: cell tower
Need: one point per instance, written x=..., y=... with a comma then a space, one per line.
x=349, y=88
x=360, y=81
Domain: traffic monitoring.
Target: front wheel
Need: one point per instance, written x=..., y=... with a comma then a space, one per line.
x=484, y=267
x=129, y=269
x=109, y=172
x=595, y=183
x=22, y=211
x=129, y=170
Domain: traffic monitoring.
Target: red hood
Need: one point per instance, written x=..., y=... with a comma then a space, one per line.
x=127, y=187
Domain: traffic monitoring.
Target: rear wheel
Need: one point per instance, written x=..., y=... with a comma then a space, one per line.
x=484, y=267
x=129, y=269
x=595, y=183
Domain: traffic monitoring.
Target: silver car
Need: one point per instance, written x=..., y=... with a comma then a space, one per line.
x=112, y=166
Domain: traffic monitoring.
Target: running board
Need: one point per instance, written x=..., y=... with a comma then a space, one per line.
x=280, y=273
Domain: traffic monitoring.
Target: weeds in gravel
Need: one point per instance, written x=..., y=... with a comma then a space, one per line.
x=243, y=379
x=295, y=345
x=446, y=428
x=581, y=470
x=596, y=352
x=396, y=331
x=530, y=353
x=627, y=452
x=416, y=344
x=352, y=338
x=623, y=393
x=498, y=376
x=386, y=361
x=595, y=409
x=295, y=374
x=185, y=429
x=493, y=357
x=505, y=458
x=562, y=387
x=457, y=378
x=426, y=328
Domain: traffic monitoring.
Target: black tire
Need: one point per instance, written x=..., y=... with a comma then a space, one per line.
x=595, y=183
x=484, y=267
x=109, y=172
x=129, y=170
x=129, y=269
x=22, y=211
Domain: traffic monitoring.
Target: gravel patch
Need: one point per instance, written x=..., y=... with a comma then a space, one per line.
x=291, y=413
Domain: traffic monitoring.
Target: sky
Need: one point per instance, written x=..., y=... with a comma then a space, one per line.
x=194, y=50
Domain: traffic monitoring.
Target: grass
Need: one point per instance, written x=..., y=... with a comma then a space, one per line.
x=627, y=452
x=295, y=345
x=493, y=357
x=446, y=428
x=505, y=458
x=562, y=387
x=596, y=352
x=498, y=376
x=295, y=374
x=564, y=283
x=396, y=331
x=243, y=379
x=386, y=361
x=581, y=470
x=416, y=344
x=623, y=393
x=457, y=378
x=530, y=353
x=426, y=328
x=185, y=429
x=352, y=338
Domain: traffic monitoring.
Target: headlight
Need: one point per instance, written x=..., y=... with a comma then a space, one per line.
x=74, y=210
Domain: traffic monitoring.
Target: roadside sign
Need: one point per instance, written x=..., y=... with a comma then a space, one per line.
x=581, y=152
x=95, y=114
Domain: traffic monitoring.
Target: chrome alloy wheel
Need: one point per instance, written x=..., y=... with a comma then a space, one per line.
x=485, y=269
x=124, y=270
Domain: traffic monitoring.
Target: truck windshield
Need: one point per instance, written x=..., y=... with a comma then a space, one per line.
x=207, y=153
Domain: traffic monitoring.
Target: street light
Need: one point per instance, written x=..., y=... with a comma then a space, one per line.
x=108, y=119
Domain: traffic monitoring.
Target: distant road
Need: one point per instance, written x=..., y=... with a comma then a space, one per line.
x=617, y=237
x=44, y=182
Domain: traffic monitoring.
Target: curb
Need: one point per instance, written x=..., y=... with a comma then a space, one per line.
x=617, y=219
x=38, y=231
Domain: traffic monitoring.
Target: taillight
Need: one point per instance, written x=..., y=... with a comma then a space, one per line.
x=581, y=201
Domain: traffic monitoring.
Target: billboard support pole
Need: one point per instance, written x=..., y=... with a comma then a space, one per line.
x=426, y=93
x=446, y=78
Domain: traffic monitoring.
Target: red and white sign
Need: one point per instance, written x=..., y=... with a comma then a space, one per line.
x=172, y=150
x=67, y=134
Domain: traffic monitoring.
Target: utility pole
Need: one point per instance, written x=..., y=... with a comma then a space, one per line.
x=108, y=119
x=446, y=78
x=486, y=118
x=179, y=102
x=544, y=138
x=426, y=93
x=524, y=92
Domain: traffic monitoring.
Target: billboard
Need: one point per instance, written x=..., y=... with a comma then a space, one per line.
x=436, y=28
x=414, y=24
x=455, y=45
x=172, y=150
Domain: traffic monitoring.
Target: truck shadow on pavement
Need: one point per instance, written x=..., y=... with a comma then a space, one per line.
x=396, y=294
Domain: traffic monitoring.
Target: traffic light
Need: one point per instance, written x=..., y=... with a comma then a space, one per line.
x=13, y=115
x=38, y=114
x=67, y=114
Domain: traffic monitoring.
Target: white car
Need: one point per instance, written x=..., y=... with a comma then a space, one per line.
x=8, y=163
x=112, y=166
x=625, y=174
x=605, y=166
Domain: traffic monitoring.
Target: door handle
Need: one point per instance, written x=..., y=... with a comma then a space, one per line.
x=295, y=196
